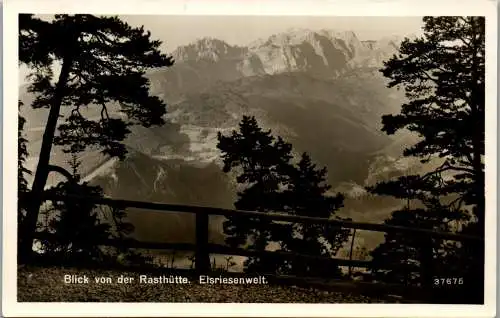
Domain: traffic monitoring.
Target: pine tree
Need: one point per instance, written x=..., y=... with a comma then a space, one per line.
x=103, y=61
x=272, y=183
x=307, y=195
x=404, y=252
x=76, y=225
x=259, y=158
x=442, y=73
x=443, y=77
x=79, y=227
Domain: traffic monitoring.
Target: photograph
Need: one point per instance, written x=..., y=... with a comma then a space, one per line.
x=251, y=159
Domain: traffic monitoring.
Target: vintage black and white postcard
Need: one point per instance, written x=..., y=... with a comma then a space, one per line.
x=300, y=158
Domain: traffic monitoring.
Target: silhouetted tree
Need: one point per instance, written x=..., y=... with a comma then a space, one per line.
x=271, y=182
x=307, y=195
x=79, y=226
x=75, y=224
x=404, y=252
x=103, y=61
x=260, y=159
x=443, y=77
x=442, y=73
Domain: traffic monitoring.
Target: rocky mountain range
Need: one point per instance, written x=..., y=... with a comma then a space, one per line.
x=319, y=90
x=325, y=54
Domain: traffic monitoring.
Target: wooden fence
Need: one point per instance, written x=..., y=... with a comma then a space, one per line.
x=202, y=248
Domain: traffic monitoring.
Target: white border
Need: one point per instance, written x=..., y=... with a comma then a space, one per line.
x=254, y=7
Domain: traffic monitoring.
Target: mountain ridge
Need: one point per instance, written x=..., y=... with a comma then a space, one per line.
x=322, y=53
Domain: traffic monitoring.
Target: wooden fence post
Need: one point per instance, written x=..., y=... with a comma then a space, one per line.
x=350, y=252
x=202, y=257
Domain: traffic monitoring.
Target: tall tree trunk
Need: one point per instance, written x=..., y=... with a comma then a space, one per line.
x=42, y=170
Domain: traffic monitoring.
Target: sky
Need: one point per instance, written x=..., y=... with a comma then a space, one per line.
x=177, y=30
x=241, y=30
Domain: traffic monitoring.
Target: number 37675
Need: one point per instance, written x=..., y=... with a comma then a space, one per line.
x=443, y=281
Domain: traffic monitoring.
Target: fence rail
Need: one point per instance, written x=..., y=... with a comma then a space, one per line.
x=200, y=210
x=203, y=249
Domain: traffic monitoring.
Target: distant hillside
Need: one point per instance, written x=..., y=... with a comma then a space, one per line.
x=141, y=177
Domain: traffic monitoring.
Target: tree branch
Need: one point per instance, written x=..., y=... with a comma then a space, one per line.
x=446, y=167
x=62, y=171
